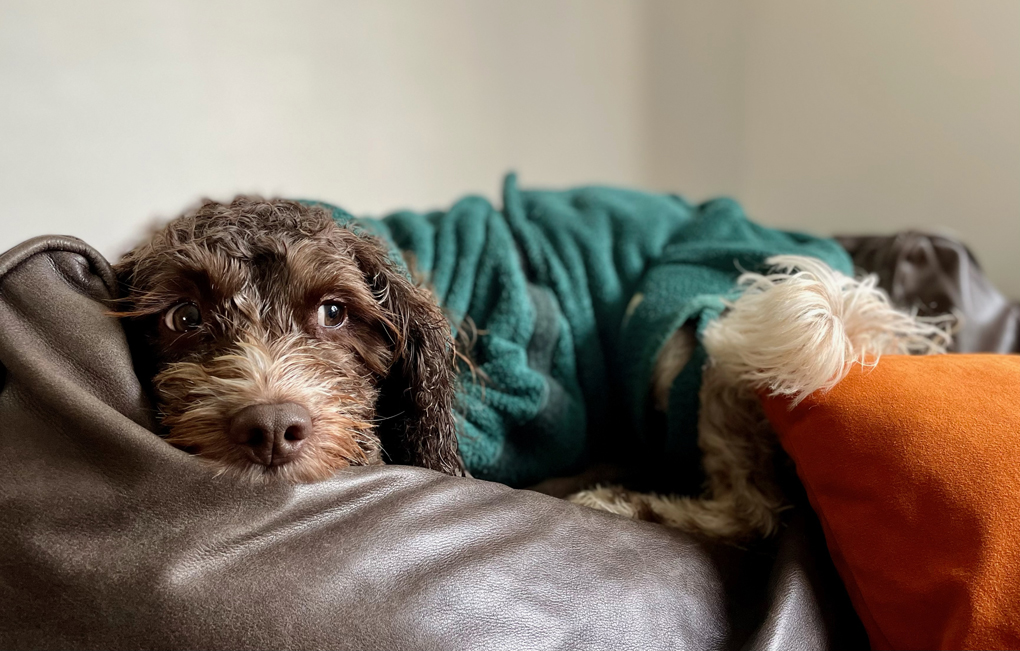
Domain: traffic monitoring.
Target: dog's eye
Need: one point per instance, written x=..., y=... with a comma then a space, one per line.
x=332, y=315
x=183, y=317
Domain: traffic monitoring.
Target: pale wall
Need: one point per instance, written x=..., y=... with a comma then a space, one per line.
x=116, y=111
x=863, y=116
x=874, y=116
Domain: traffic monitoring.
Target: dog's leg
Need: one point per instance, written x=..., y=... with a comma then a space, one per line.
x=672, y=359
x=741, y=495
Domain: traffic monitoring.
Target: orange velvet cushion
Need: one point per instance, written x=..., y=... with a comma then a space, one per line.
x=914, y=469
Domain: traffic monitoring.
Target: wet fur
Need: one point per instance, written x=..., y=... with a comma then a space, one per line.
x=379, y=389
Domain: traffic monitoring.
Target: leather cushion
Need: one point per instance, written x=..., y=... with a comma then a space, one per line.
x=113, y=539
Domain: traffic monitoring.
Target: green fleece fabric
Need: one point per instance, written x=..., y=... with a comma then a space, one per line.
x=574, y=293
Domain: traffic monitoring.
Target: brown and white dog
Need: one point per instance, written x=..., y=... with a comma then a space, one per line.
x=281, y=345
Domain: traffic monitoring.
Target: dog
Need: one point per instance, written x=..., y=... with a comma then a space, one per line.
x=282, y=345
x=799, y=329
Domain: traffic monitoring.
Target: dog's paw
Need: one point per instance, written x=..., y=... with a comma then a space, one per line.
x=614, y=499
x=618, y=500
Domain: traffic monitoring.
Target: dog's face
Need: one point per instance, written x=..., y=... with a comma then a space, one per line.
x=281, y=345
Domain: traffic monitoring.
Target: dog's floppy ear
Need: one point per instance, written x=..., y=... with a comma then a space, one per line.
x=123, y=306
x=415, y=410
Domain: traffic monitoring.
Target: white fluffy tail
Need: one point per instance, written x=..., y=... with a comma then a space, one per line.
x=802, y=327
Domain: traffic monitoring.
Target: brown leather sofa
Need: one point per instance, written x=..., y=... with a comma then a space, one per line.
x=109, y=538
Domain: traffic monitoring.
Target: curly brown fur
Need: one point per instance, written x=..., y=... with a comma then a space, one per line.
x=378, y=386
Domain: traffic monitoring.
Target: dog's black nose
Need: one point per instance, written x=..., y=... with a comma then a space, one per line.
x=271, y=435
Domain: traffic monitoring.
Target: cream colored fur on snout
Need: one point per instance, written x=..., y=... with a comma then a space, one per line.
x=793, y=331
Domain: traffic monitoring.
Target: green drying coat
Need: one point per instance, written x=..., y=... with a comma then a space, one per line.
x=573, y=294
